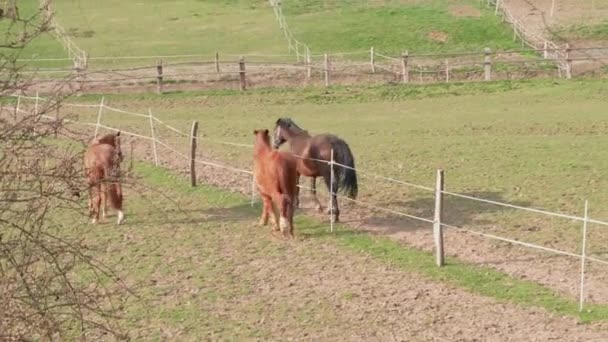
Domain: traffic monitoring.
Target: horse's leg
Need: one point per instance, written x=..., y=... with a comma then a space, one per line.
x=285, y=206
x=266, y=206
x=290, y=218
x=313, y=193
x=333, y=210
x=297, y=194
x=96, y=203
x=104, y=201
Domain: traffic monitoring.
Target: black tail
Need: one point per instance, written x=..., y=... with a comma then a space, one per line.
x=346, y=175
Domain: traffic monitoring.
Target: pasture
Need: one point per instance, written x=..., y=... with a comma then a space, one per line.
x=202, y=269
x=190, y=27
x=533, y=144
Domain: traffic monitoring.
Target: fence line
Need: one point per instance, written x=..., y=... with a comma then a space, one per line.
x=332, y=191
x=293, y=44
x=408, y=68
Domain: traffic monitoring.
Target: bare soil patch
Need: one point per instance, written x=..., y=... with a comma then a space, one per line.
x=465, y=11
x=438, y=36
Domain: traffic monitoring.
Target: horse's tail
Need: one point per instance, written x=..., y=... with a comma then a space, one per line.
x=114, y=194
x=346, y=174
x=113, y=188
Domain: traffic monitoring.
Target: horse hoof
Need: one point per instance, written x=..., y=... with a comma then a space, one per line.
x=320, y=209
x=94, y=221
x=121, y=218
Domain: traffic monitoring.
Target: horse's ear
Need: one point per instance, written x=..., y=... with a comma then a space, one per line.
x=255, y=132
x=278, y=121
x=118, y=133
x=266, y=132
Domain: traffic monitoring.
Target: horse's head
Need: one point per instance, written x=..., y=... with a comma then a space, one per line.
x=281, y=130
x=262, y=136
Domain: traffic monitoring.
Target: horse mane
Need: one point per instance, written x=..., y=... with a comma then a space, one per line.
x=288, y=123
x=109, y=139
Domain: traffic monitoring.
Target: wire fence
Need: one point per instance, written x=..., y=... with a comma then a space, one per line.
x=373, y=67
x=438, y=191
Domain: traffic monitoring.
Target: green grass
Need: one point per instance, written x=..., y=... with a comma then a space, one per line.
x=536, y=144
x=583, y=31
x=212, y=228
x=394, y=26
x=160, y=28
x=42, y=46
x=171, y=27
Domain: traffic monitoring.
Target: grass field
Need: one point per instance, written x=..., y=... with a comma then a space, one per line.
x=159, y=28
x=202, y=268
x=535, y=144
x=393, y=26
x=44, y=46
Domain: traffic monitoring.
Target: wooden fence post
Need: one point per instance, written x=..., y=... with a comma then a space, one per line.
x=487, y=64
x=405, y=70
x=437, y=228
x=447, y=70
x=217, y=62
x=242, y=76
x=193, y=138
x=568, y=62
x=326, y=70
x=545, y=50
x=372, y=62
x=159, y=76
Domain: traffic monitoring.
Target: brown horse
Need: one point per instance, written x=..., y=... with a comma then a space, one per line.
x=314, y=153
x=276, y=177
x=102, y=168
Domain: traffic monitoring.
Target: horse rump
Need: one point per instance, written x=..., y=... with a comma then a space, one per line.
x=346, y=175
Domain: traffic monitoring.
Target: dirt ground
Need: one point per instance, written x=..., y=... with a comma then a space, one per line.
x=347, y=296
x=536, y=17
x=561, y=274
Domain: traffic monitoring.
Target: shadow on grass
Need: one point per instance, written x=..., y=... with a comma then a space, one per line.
x=457, y=211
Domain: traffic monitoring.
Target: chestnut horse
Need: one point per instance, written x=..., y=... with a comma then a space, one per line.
x=276, y=177
x=314, y=154
x=102, y=168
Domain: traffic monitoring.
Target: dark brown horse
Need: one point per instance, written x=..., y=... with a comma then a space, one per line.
x=102, y=168
x=276, y=178
x=314, y=153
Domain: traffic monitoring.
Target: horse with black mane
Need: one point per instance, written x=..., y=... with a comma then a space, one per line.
x=314, y=155
x=102, y=168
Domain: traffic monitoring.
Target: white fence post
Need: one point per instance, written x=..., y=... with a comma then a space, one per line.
x=437, y=228
x=331, y=192
x=153, y=136
x=583, y=258
x=99, y=112
x=372, y=61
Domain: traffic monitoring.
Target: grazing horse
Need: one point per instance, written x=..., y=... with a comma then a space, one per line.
x=276, y=177
x=102, y=168
x=314, y=154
